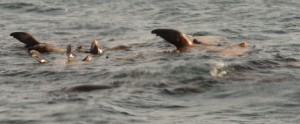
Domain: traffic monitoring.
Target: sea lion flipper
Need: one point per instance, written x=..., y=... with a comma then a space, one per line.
x=43, y=47
x=69, y=49
x=25, y=38
x=37, y=56
x=174, y=37
x=95, y=49
x=69, y=53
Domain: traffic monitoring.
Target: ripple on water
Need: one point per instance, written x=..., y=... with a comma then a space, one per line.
x=32, y=7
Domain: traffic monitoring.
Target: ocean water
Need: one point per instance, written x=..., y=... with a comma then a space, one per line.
x=152, y=84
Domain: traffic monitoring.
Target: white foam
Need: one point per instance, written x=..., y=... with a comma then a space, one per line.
x=218, y=70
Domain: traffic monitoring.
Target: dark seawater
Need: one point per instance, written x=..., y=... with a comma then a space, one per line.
x=153, y=86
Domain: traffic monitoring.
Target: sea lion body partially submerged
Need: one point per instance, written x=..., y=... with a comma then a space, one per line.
x=184, y=43
x=95, y=48
x=177, y=38
x=70, y=57
x=88, y=58
x=33, y=44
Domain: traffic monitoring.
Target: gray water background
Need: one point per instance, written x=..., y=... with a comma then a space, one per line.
x=266, y=93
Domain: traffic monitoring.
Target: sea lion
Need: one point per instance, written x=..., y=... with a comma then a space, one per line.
x=33, y=44
x=184, y=43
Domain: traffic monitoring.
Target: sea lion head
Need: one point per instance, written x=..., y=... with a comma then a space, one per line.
x=95, y=49
x=25, y=38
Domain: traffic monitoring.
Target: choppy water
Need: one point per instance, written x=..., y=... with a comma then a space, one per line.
x=259, y=88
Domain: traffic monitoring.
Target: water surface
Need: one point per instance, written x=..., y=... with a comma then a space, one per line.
x=259, y=88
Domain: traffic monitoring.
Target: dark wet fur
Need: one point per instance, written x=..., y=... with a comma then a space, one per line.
x=25, y=38
x=88, y=88
x=173, y=36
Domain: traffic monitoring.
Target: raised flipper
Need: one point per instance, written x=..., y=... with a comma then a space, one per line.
x=175, y=37
x=37, y=56
x=25, y=38
x=43, y=47
x=69, y=53
x=95, y=49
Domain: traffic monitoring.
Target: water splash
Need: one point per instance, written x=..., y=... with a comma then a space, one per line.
x=218, y=69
